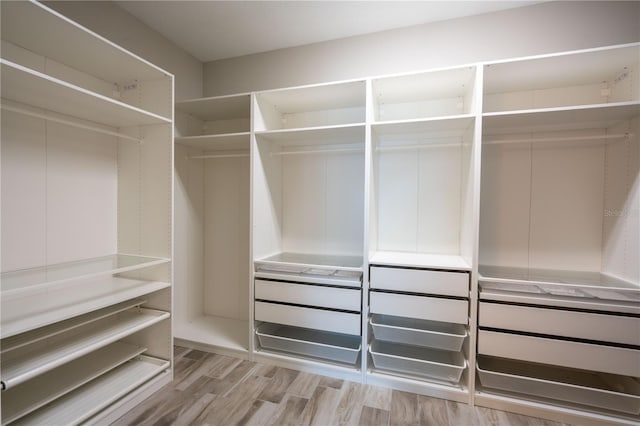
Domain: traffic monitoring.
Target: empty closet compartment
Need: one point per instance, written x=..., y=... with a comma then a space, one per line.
x=411, y=331
x=599, y=76
x=335, y=347
x=589, y=389
x=416, y=361
x=344, y=322
x=420, y=281
x=308, y=200
x=308, y=294
x=420, y=307
x=205, y=121
x=601, y=327
x=310, y=106
x=422, y=193
x=425, y=95
x=624, y=361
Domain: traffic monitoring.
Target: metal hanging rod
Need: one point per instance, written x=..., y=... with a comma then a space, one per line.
x=319, y=151
x=413, y=147
x=559, y=139
x=71, y=123
x=207, y=156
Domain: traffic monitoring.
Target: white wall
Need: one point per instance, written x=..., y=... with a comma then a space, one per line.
x=117, y=25
x=536, y=29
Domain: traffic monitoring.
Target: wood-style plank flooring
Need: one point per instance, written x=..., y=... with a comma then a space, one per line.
x=211, y=389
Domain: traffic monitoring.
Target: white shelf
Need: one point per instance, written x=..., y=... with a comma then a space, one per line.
x=294, y=262
x=24, y=339
x=26, y=313
x=27, y=86
x=221, y=142
x=108, y=61
x=30, y=396
x=316, y=98
x=217, y=108
x=327, y=135
x=89, y=399
x=30, y=361
x=227, y=333
x=419, y=260
x=562, y=118
x=30, y=281
x=453, y=125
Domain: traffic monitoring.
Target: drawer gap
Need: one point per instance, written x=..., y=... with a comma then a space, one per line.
x=409, y=293
x=273, y=302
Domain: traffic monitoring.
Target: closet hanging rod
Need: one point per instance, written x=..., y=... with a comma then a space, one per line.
x=207, y=156
x=319, y=151
x=426, y=146
x=69, y=122
x=560, y=139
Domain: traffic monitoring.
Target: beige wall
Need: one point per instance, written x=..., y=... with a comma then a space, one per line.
x=117, y=25
x=540, y=28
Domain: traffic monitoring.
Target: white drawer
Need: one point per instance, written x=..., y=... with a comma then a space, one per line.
x=420, y=281
x=421, y=307
x=305, y=294
x=319, y=319
x=606, y=359
x=581, y=325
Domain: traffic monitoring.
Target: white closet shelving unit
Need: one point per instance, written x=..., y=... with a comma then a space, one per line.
x=421, y=207
x=308, y=225
x=86, y=222
x=560, y=236
x=212, y=192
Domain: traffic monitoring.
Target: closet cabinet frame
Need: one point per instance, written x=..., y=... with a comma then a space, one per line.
x=213, y=140
x=69, y=96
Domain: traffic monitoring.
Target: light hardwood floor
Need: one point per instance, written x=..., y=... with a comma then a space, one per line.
x=211, y=389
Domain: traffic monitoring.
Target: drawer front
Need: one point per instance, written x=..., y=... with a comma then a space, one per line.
x=581, y=325
x=318, y=319
x=422, y=307
x=562, y=353
x=420, y=281
x=304, y=294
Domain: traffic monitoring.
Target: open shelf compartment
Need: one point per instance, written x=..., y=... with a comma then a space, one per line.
x=335, y=347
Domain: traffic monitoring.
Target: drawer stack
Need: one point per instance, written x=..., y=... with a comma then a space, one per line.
x=586, y=358
x=419, y=323
x=310, y=315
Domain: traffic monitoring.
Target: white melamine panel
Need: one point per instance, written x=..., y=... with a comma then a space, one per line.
x=211, y=331
x=566, y=208
x=224, y=142
x=505, y=203
x=84, y=402
x=81, y=165
x=421, y=307
x=420, y=281
x=310, y=295
x=25, y=398
x=21, y=84
x=585, y=356
x=594, y=77
x=581, y=325
x=419, y=260
x=318, y=319
x=33, y=360
x=24, y=159
x=226, y=243
x=217, y=108
x=621, y=231
x=26, y=313
x=431, y=94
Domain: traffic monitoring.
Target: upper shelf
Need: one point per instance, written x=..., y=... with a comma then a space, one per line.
x=222, y=142
x=562, y=118
x=598, y=76
x=419, y=260
x=27, y=86
x=326, y=135
x=29, y=24
x=419, y=130
x=217, y=108
x=424, y=95
x=311, y=106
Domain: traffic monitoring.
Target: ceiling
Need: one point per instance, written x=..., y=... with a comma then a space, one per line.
x=212, y=30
